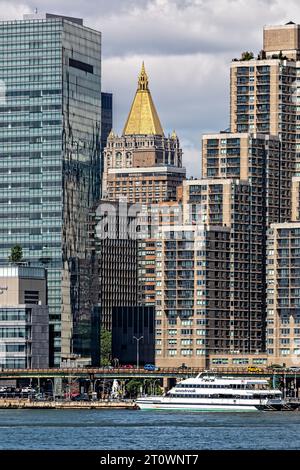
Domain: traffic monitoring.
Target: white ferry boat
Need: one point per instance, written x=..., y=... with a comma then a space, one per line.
x=209, y=392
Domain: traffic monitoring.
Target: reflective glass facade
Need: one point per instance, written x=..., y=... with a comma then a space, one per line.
x=50, y=115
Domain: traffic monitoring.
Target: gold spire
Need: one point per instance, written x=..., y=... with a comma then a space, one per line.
x=143, y=118
x=143, y=79
x=111, y=135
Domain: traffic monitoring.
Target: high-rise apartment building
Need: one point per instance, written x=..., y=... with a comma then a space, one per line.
x=295, y=209
x=265, y=99
x=264, y=95
x=50, y=67
x=192, y=294
x=283, y=294
x=256, y=158
x=230, y=203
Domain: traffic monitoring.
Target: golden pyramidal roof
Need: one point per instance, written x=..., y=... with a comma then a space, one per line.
x=143, y=118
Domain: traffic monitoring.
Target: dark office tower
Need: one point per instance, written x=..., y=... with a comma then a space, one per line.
x=129, y=325
x=116, y=247
x=106, y=121
x=50, y=125
x=113, y=280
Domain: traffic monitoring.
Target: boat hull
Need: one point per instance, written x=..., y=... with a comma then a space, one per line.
x=197, y=407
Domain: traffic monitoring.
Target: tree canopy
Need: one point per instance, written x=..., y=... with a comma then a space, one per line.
x=105, y=347
x=247, y=55
x=16, y=254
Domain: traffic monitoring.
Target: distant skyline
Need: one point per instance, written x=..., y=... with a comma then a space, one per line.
x=187, y=47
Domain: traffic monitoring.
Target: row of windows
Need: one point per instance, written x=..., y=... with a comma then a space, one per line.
x=10, y=363
x=185, y=352
x=221, y=361
x=12, y=315
x=12, y=347
x=246, y=397
x=209, y=385
x=12, y=332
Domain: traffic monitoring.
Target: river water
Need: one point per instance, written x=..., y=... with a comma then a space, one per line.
x=131, y=429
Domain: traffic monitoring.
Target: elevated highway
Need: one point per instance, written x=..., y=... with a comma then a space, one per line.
x=124, y=373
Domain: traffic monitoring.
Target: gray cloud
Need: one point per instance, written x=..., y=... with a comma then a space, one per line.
x=187, y=46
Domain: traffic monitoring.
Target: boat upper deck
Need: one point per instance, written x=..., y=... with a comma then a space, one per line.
x=214, y=381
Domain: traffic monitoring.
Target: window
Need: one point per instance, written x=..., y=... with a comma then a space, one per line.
x=186, y=352
x=172, y=352
x=186, y=342
x=284, y=352
x=240, y=360
x=201, y=332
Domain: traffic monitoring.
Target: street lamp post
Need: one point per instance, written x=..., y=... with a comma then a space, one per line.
x=53, y=390
x=138, y=349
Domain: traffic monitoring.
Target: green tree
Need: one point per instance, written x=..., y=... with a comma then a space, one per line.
x=105, y=347
x=152, y=387
x=16, y=254
x=133, y=387
x=247, y=55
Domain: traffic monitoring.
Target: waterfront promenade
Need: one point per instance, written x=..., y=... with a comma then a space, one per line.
x=19, y=403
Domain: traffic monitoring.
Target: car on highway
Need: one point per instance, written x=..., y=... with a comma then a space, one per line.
x=150, y=367
x=254, y=369
x=275, y=366
x=127, y=366
x=293, y=369
x=28, y=390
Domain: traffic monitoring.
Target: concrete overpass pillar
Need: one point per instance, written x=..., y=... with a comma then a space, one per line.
x=166, y=384
x=58, y=389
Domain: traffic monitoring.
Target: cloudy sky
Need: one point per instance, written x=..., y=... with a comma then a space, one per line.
x=187, y=46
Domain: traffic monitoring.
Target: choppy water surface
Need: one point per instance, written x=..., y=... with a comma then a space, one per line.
x=127, y=429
